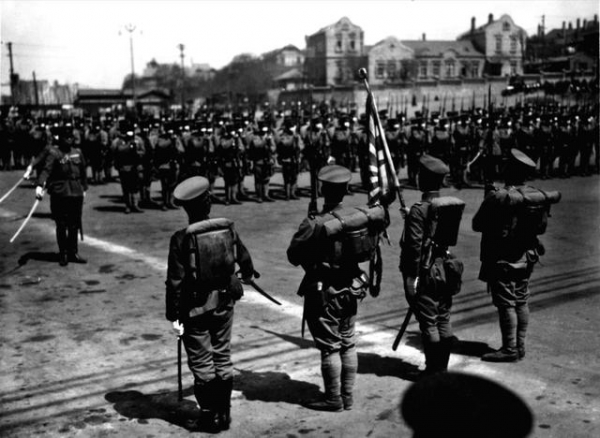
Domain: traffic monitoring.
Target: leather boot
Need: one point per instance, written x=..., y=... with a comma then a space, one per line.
x=127, y=199
x=293, y=194
x=62, y=240
x=72, y=249
x=266, y=196
x=133, y=203
x=522, y=324
x=288, y=191
x=260, y=193
x=508, y=329
x=349, y=368
x=444, y=353
x=223, y=408
x=432, y=357
x=205, y=396
x=331, y=369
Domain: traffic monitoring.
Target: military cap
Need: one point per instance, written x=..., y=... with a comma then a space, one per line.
x=334, y=174
x=190, y=189
x=434, y=165
x=522, y=158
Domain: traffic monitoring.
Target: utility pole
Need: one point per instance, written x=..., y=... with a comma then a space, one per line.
x=13, y=97
x=131, y=28
x=35, y=90
x=181, y=47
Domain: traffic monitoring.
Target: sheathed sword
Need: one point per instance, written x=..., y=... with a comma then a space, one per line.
x=12, y=189
x=179, y=380
x=261, y=291
x=402, y=329
x=35, y=204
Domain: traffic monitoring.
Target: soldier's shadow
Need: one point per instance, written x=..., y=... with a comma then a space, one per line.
x=460, y=347
x=271, y=386
x=368, y=363
x=163, y=405
x=51, y=257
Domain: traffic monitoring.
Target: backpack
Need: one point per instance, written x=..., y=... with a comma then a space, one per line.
x=531, y=208
x=441, y=270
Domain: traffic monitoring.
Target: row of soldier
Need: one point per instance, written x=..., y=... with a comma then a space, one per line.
x=562, y=142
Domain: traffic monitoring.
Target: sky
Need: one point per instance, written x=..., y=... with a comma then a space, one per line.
x=86, y=41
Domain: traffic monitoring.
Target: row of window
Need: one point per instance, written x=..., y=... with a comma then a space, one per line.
x=513, y=43
x=390, y=69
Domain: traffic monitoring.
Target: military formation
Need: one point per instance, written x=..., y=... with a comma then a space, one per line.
x=333, y=245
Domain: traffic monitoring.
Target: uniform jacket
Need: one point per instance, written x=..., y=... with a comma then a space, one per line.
x=64, y=173
x=178, y=303
x=308, y=249
x=416, y=231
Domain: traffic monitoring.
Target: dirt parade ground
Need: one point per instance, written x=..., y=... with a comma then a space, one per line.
x=87, y=352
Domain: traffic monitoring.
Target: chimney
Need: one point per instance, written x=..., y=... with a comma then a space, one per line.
x=584, y=24
x=578, y=23
x=595, y=18
x=490, y=18
x=564, y=25
x=473, y=24
x=424, y=37
x=570, y=26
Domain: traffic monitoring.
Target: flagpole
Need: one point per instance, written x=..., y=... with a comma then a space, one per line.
x=362, y=73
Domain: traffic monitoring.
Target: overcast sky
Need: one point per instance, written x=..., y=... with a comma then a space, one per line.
x=85, y=42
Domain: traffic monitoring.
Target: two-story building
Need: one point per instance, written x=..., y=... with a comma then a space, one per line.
x=502, y=43
x=334, y=54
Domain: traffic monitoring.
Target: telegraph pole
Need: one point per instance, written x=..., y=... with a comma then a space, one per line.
x=12, y=74
x=181, y=47
x=131, y=28
x=35, y=90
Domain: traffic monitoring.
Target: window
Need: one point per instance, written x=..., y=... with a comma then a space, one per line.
x=506, y=26
x=475, y=69
x=436, y=68
x=352, y=43
x=423, y=69
x=338, y=42
x=498, y=43
x=513, y=44
x=513, y=67
x=380, y=69
x=450, y=68
x=391, y=69
x=339, y=75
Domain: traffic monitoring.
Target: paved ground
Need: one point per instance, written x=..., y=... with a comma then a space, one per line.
x=86, y=351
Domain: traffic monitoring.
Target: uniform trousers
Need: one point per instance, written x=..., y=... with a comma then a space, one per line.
x=207, y=341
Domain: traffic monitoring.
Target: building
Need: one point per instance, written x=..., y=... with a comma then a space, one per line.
x=389, y=61
x=334, y=54
x=446, y=60
x=502, y=43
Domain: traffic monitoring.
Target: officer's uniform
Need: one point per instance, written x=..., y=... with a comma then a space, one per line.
x=330, y=291
x=417, y=142
x=261, y=151
x=288, y=154
x=128, y=152
x=431, y=308
x=64, y=177
x=166, y=156
x=229, y=151
x=204, y=302
x=506, y=262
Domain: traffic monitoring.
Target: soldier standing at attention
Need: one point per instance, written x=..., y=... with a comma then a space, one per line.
x=509, y=219
x=420, y=245
x=261, y=151
x=64, y=177
x=288, y=154
x=331, y=288
x=201, y=292
x=128, y=151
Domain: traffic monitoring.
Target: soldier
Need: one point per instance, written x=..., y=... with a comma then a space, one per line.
x=228, y=153
x=201, y=291
x=462, y=140
x=417, y=142
x=128, y=152
x=544, y=146
x=64, y=177
x=167, y=155
x=424, y=239
x=332, y=284
x=510, y=219
x=288, y=147
x=340, y=142
x=393, y=136
x=586, y=139
x=95, y=152
x=261, y=150
x=150, y=135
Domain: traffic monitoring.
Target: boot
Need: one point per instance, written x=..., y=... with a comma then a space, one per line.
x=234, y=196
x=260, y=194
x=170, y=203
x=127, y=199
x=349, y=368
x=288, y=191
x=432, y=357
x=205, y=396
x=331, y=369
x=133, y=204
x=508, y=329
x=522, y=324
x=224, y=389
x=72, y=250
x=61, y=239
x=293, y=194
x=444, y=352
x=266, y=196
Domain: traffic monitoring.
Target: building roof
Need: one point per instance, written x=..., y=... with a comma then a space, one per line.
x=99, y=92
x=438, y=48
x=339, y=22
x=277, y=51
x=292, y=74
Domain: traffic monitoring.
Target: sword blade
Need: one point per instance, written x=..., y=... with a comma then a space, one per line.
x=402, y=329
x=261, y=291
x=35, y=204
x=12, y=189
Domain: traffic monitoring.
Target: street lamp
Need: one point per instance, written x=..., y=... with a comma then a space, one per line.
x=181, y=47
